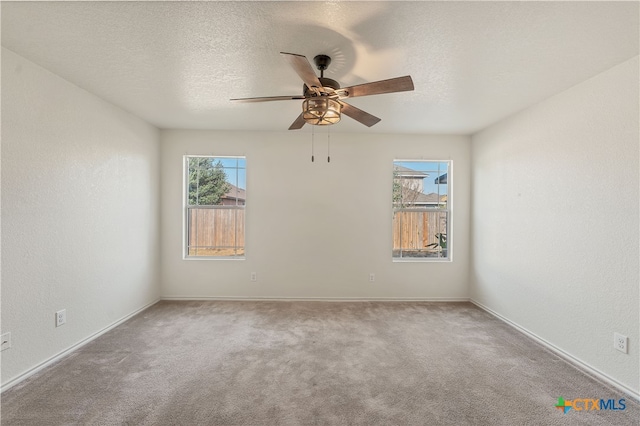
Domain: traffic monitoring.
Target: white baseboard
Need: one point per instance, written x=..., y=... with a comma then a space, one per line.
x=319, y=299
x=14, y=381
x=575, y=362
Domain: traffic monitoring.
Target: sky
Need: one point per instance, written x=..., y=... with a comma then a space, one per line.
x=236, y=170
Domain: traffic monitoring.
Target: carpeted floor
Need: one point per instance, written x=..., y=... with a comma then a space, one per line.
x=310, y=363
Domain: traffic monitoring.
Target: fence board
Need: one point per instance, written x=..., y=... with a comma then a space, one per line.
x=224, y=228
x=414, y=230
x=216, y=228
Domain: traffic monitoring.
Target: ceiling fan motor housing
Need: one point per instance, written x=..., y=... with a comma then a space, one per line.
x=326, y=82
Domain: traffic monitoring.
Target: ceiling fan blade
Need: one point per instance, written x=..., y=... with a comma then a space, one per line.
x=398, y=84
x=267, y=98
x=359, y=115
x=298, y=123
x=304, y=69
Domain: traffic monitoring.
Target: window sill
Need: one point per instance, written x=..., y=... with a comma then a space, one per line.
x=420, y=260
x=213, y=258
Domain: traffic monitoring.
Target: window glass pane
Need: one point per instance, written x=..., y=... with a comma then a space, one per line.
x=212, y=183
x=420, y=234
x=208, y=182
x=216, y=197
x=421, y=209
x=420, y=184
x=216, y=232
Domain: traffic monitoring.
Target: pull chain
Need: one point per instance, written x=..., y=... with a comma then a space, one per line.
x=329, y=144
x=312, y=136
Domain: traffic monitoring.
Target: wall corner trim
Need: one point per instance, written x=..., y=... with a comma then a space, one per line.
x=30, y=372
x=577, y=363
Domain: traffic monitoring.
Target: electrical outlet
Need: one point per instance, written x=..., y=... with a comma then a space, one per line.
x=620, y=342
x=6, y=341
x=254, y=276
x=61, y=317
x=372, y=277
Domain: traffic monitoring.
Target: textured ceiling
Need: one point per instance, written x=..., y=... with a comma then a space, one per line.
x=177, y=64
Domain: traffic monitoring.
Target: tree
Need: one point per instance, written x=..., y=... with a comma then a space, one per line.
x=207, y=182
x=397, y=191
x=406, y=191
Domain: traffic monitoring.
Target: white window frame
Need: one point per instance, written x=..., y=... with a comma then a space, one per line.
x=448, y=210
x=186, y=207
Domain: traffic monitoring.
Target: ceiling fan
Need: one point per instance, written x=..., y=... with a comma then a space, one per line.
x=323, y=98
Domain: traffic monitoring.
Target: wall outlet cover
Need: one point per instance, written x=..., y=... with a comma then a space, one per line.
x=620, y=342
x=61, y=317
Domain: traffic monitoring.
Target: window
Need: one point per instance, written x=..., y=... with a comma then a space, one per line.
x=421, y=210
x=215, y=199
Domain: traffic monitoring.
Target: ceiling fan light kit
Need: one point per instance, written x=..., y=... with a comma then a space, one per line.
x=323, y=99
x=321, y=111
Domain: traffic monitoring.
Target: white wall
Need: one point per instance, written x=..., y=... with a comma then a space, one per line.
x=79, y=213
x=555, y=220
x=314, y=230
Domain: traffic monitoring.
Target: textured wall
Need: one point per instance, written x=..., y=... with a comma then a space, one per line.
x=314, y=229
x=79, y=213
x=555, y=220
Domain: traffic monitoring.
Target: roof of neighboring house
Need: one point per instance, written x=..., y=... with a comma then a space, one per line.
x=421, y=198
x=428, y=198
x=235, y=193
x=406, y=172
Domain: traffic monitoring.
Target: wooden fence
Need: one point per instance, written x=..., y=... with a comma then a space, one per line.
x=216, y=232
x=414, y=230
x=221, y=231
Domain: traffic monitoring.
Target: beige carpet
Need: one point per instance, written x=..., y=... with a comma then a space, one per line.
x=310, y=363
